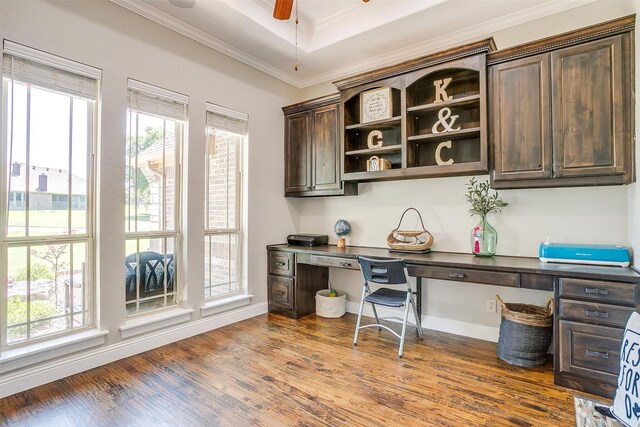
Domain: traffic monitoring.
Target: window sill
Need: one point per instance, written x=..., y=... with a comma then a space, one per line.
x=153, y=322
x=28, y=355
x=218, y=306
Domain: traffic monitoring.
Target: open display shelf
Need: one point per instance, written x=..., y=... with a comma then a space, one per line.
x=435, y=122
x=386, y=130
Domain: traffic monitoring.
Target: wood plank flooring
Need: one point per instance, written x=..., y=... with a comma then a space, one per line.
x=274, y=371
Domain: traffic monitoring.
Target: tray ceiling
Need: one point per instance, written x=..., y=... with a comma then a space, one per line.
x=337, y=38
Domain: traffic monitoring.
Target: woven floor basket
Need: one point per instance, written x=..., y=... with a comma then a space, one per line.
x=525, y=333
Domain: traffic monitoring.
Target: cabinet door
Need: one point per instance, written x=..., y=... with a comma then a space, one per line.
x=520, y=119
x=297, y=152
x=326, y=148
x=588, y=109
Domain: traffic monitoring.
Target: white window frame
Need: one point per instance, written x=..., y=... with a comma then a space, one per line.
x=167, y=105
x=239, y=122
x=69, y=71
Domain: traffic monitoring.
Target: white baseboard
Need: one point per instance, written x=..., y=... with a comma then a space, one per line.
x=15, y=382
x=471, y=330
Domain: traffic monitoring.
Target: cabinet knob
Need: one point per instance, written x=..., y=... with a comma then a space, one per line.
x=456, y=275
x=280, y=263
x=345, y=264
x=547, y=172
x=557, y=174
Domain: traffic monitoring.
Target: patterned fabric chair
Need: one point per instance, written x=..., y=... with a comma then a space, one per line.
x=152, y=269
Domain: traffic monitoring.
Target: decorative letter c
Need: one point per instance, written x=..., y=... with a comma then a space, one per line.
x=439, y=160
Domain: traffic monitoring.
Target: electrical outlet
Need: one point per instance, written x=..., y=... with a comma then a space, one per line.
x=491, y=305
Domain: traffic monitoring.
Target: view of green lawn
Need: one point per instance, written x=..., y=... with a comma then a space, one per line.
x=43, y=222
x=55, y=222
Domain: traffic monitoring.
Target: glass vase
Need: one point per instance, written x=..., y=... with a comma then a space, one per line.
x=484, y=239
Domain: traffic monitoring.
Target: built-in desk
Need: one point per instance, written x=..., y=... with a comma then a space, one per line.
x=592, y=303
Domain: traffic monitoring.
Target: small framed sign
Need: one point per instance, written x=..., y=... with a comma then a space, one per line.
x=376, y=105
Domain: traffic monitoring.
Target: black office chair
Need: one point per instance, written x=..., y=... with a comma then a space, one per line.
x=387, y=273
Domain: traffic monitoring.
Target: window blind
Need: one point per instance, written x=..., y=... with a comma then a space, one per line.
x=157, y=101
x=44, y=76
x=226, y=119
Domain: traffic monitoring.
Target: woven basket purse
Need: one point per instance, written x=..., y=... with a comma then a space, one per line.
x=410, y=240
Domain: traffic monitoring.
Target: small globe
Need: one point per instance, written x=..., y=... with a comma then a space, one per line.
x=342, y=228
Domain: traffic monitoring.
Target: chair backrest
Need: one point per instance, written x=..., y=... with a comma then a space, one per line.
x=383, y=272
x=152, y=270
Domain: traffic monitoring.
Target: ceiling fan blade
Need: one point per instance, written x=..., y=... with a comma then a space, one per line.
x=282, y=9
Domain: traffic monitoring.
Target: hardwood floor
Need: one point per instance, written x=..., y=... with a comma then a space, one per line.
x=274, y=371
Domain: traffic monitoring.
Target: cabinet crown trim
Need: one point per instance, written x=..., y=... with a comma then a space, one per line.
x=311, y=104
x=483, y=46
x=594, y=32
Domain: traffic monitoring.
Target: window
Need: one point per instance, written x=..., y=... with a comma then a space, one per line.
x=226, y=136
x=155, y=133
x=48, y=145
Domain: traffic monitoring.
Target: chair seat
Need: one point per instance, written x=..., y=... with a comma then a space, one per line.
x=388, y=297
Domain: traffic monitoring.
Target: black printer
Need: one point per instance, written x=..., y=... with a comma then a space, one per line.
x=308, y=239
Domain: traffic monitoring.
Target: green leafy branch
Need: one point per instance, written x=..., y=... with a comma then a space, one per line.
x=480, y=200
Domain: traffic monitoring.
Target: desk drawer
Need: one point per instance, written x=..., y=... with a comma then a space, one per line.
x=332, y=261
x=281, y=292
x=465, y=275
x=590, y=351
x=603, y=314
x=597, y=290
x=281, y=263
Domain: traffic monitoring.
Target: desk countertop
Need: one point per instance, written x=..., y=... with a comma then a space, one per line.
x=463, y=260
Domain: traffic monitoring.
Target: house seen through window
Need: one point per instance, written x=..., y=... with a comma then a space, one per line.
x=155, y=126
x=48, y=231
x=226, y=136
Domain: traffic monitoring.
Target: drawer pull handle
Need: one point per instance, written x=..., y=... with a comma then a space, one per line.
x=456, y=275
x=598, y=314
x=597, y=354
x=280, y=263
x=345, y=264
x=596, y=291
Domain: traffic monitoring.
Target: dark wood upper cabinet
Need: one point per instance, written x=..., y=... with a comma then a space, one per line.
x=312, y=149
x=325, y=168
x=589, y=109
x=521, y=119
x=297, y=152
x=563, y=117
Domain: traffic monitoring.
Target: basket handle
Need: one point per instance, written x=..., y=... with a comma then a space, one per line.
x=402, y=217
x=549, y=306
x=502, y=304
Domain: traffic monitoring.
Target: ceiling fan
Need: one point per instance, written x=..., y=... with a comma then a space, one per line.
x=282, y=9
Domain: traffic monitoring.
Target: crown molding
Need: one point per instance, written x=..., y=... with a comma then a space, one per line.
x=447, y=41
x=171, y=23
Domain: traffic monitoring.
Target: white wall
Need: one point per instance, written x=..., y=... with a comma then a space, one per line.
x=607, y=215
x=122, y=44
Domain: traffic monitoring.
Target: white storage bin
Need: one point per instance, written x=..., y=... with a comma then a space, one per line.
x=327, y=306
